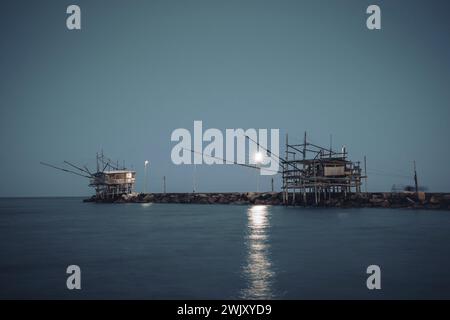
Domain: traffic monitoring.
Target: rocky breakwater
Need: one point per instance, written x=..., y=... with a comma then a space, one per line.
x=422, y=200
x=362, y=200
x=238, y=198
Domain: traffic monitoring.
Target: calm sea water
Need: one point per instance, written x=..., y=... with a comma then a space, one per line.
x=158, y=251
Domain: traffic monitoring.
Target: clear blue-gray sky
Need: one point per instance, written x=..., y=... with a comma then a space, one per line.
x=139, y=69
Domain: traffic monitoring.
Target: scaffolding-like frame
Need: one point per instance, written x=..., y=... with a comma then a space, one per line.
x=312, y=173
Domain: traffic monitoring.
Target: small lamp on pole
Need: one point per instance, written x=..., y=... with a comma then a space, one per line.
x=145, y=175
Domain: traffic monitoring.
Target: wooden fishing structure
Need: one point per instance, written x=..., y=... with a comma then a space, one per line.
x=312, y=174
x=109, y=181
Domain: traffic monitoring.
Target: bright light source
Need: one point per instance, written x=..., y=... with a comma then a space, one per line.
x=258, y=157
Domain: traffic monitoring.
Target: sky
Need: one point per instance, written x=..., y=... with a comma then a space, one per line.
x=137, y=70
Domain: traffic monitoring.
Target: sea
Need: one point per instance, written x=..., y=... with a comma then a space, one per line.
x=188, y=251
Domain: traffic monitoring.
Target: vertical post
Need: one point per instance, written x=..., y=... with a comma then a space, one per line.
x=315, y=183
x=193, y=178
x=305, y=200
x=304, y=147
x=272, y=184
x=257, y=179
x=331, y=144
x=415, y=178
x=304, y=196
x=365, y=173
x=164, y=184
x=145, y=175
x=102, y=157
x=286, y=194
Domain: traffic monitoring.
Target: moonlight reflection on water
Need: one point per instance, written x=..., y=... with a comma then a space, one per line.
x=257, y=270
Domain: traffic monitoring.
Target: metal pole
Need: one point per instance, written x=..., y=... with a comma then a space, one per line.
x=193, y=178
x=285, y=177
x=304, y=148
x=415, y=178
x=257, y=179
x=365, y=173
x=145, y=175
x=331, y=144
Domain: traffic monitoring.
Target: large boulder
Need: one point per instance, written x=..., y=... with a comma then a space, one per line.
x=252, y=196
x=385, y=204
x=265, y=196
x=148, y=198
x=376, y=200
x=435, y=200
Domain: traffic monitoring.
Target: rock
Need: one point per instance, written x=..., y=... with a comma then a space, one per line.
x=265, y=196
x=148, y=198
x=126, y=197
x=212, y=200
x=435, y=200
x=223, y=200
x=274, y=196
x=251, y=196
x=386, y=204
